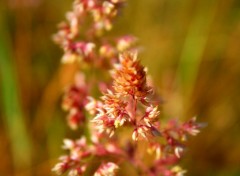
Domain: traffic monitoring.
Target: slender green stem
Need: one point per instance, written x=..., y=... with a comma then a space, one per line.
x=194, y=46
x=16, y=129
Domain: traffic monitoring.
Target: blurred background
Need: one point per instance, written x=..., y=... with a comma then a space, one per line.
x=191, y=49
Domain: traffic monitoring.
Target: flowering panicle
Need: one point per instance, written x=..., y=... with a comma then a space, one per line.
x=130, y=85
x=127, y=102
x=83, y=42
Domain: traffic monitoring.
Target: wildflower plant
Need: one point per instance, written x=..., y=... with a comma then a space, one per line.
x=123, y=125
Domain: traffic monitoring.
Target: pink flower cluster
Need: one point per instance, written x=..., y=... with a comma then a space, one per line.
x=86, y=43
x=127, y=104
x=75, y=100
x=123, y=126
x=81, y=152
x=80, y=35
x=121, y=105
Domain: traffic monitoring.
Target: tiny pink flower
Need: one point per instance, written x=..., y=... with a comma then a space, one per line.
x=93, y=105
x=151, y=115
x=60, y=168
x=107, y=169
x=140, y=132
x=125, y=42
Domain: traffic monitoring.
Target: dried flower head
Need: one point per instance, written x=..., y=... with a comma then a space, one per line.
x=130, y=76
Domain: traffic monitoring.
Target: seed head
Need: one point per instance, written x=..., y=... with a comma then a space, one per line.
x=130, y=76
